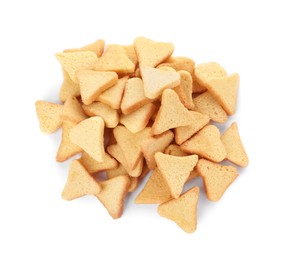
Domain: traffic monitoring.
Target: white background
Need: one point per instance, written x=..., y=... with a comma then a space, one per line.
x=251, y=220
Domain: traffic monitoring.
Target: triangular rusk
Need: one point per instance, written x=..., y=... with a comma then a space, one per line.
x=113, y=194
x=115, y=59
x=66, y=148
x=234, y=147
x=79, y=182
x=171, y=114
x=133, y=96
x=155, y=144
x=108, y=114
x=130, y=143
x=207, y=144
x=93, y=166
x=156, y=80
x=179, y=63
x=185, y=89
x=119, y=170
x=68, y=87
x=225, y=90
x=131, y=53
x=49, y=116
x=138, y=120
x=97, y=47
x=183, y=211
x=113, y=95
x=208, y=105
x=88, y=135
x=151, y=53
x=155, y=191
x=205, y=71
x=115, y=151
x=217, y=178
x=92, y=83
x=74, y=61
x=175, y=170
x=72, y=111
x=183, y=133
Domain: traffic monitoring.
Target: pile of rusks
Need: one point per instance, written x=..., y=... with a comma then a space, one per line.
x=131, y=109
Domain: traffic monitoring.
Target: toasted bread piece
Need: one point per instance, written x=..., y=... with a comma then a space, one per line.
x=88, y=135
x=179, y=63
x=109, y=115
x=155, y=191
x=114, y=94
x=49, y=116
x=157, y=80
x=208, y=105
x=225, y=91
x=131, y=53
x=79, y=182
x=207, y=144
x=72, y=62
x=93, y=83
x=151, y=53
x=183, y=211
x=174, y=149
x=115, y=59
x=113, y=194
x=97, y=47
x=217, y=178
x=138, y=120
x=171, y=114
x=234, y=147
x=93, y=166
x=72, y=111
x=155, y=144
x=68, y=87
x=66, y=148
x=133, y=97
x=183, y=133
x=175, y=170
x=130, y=143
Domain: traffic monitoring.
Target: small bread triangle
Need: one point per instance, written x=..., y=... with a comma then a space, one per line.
x=72, y=111
x=92, y=83
x=183, y=133
x=115, y=151
x=97, y=47
x=79, y=182
x=138, y=120
x=205, y=71
x=131, y=53
x=156, y=80
x=234, y=147
x=48, y=115
x=217, y=178
x=207, y=144
x=175, y=170
x=66, y=148
x=185, y=89
x=119, y=170
x=68, y=87
x=133, y=97
x=171, y=114
x=108, y=114
x=74, y=61
x=93, y=166
x=155, y=144
x=208, y=105
x=155, y=191
x=151, y=53
x=88, y=135
x=114, y=94
x=113, y=194
x=183, y=211
x=225, y=90
x=130, y=143
x=115, y=59
x=179, y=63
